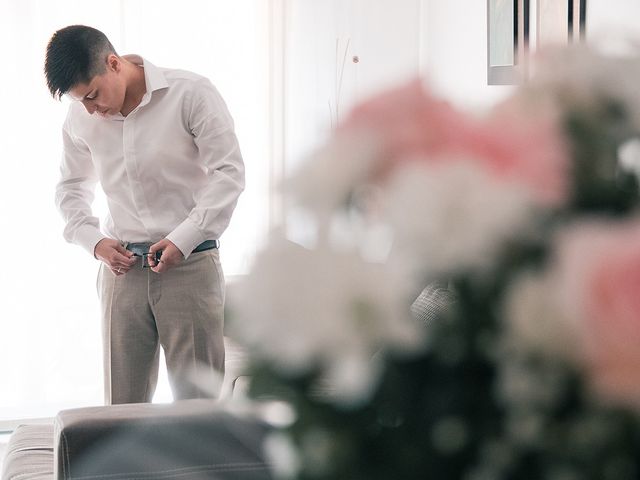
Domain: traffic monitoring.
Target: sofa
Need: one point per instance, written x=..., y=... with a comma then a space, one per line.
x=187, y=440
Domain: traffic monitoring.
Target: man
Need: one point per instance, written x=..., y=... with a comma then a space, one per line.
x=162, y=145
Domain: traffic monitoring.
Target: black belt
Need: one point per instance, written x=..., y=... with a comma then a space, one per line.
x=207, y=245
x=142, y=249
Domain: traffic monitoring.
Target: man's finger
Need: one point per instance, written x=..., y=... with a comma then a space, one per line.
x=154, y=249
x=161, y=265
x=151, y=258
x=119, y=258
x=158, y=246
x=120, y=249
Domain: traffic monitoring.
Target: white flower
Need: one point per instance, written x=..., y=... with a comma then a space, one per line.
x=324, y=182
x=453, y=216
x=582, y=76
x=303, y=309
x=536, y=320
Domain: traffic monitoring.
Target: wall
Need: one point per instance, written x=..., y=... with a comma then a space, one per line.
x=322, y=79
x=612, y=19
x=455, y=44
x=444, y=41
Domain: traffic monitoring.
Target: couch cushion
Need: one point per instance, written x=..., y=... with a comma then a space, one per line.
x=29, y=454
x=186, y=440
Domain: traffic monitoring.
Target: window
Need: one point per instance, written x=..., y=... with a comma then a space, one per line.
x=50, y=346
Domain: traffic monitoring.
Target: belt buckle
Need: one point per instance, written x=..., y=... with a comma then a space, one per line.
x=145, y=258
x=144, y=254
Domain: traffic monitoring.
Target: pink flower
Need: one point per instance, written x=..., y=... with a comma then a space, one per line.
x=512, y=144
x=525, y=147
x=411, y=123
x=600, y=289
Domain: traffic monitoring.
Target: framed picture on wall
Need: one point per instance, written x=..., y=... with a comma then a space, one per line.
x=511, y=37
x=560, y=22
x=507, y=40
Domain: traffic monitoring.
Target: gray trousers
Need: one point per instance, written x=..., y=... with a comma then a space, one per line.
x=181, y=310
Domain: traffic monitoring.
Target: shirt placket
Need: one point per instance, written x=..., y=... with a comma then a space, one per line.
x=134, y=165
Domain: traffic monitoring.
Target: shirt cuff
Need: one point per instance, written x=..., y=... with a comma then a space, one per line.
x=186, y=237
x=88, y=237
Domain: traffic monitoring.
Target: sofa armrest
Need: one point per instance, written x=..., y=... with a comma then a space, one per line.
x=189, y=439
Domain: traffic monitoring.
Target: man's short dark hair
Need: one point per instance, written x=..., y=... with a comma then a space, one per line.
x=75, y=55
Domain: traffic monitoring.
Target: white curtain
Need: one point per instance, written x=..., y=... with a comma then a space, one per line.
x=50, y=350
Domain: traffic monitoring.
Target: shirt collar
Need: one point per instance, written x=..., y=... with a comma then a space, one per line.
x=154, y=79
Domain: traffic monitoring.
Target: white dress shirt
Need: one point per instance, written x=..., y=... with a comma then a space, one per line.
x=171, y=169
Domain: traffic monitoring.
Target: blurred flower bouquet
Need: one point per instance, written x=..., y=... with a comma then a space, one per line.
x=529, y=220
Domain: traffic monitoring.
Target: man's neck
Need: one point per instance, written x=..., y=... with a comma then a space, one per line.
x=136, y=87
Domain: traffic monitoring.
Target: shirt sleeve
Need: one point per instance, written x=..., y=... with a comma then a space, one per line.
x=212, y=128
x=75, y=192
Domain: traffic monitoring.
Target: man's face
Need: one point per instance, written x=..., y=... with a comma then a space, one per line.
x=105, y=93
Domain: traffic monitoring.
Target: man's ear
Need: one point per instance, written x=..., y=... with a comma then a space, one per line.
x=113, y=62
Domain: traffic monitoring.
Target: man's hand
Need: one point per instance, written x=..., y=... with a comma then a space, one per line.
x=171, y=256
x=114, y=256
